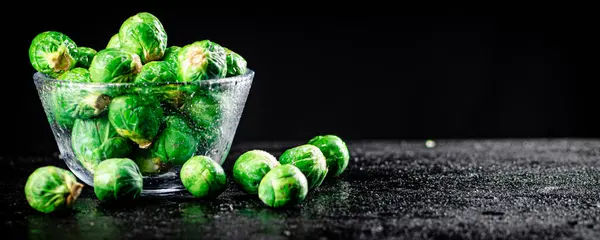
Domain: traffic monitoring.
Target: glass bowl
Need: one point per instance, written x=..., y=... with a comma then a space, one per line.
x=209, y=110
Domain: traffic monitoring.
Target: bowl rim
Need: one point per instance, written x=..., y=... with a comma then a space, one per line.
x=42, y=78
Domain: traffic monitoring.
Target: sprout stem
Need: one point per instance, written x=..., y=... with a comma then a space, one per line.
x=75, y=190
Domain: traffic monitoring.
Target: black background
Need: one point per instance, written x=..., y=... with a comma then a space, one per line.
x=490, y=72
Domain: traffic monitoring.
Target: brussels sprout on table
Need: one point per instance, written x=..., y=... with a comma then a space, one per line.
x=114, y=66
x=84, y=56
x=49, y=189
x=251, y=167
x=114, y=42
x=236, y=64
x=283, y=186
x=310, y=160
x=136, y=117
x=201, y=60
x=144, y=35
x=335, y=151
x=156, y=72
x=117, y=179
x=52, y=53
x=95, y=140
x=203, y=177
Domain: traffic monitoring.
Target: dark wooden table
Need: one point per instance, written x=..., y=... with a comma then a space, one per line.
x=497, y=189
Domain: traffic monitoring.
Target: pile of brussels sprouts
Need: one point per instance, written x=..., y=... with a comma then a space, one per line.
x=278, y=183
x=120, y=135
x=299, y=170
x=162, y=121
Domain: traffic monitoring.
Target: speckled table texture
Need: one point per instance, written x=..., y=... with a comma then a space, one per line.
x=457, y=189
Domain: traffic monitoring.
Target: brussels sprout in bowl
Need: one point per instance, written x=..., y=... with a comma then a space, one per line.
x=144, y=124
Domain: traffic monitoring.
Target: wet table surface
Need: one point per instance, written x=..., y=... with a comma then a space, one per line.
x=488, y=189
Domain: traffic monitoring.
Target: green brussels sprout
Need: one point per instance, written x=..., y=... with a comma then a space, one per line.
x=203, y=177
x=114, y=66
x=78, y=74
x=283, y=186
x=170, y=56
x=201, y=60
x=335, y=151
x=150, y=163
x=64, y=102
x=205, y=112
x=251, y=167
x=79, y=103
x=118, y=179
x=94, y=140
x=236, y=64
x=52, y=53
x=136, y=117
x=114, y=42
x=75, y=102
x=84, y=56
x=175, y=95
x=310, y=160
x=49, y=189
x=144, y=35
x=156, y=72
x=176, y=143
x=59, y=115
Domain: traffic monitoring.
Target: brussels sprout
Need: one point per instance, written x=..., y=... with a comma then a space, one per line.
x=59, y=115
x=203, y=177
x=136, y=117
x=310, y=160
x=117, y=179
x=94, y=140
x=205, y=111
x=176, y=143
x=84, y=56
x=63, y=102
x=50, y=189
x=236, y=64
x=175, y=95
x=144, y=35
x=114, y=42
x=79, y=103
x=251, y=167
x=78, y=74
x=156, y=72
x=114, y=66
x=170, y=56
x=283, y=186
x=52, y=53
x=335, y=151
x=149, y=163
x=201, y=60
x=75, y=102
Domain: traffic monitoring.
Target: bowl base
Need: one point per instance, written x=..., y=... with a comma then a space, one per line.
x=164, y=192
